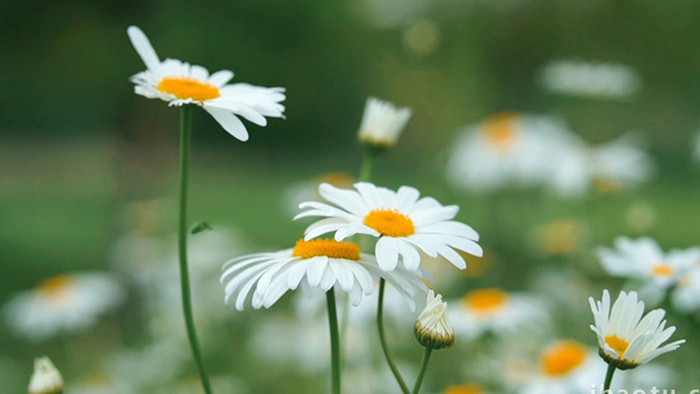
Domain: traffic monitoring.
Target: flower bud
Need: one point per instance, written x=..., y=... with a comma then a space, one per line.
x=382, y=124
x=46, y=379
x=432, y=329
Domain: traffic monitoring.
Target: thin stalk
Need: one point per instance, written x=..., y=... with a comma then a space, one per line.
x=185, y=142
x=367, y=165
x=335, y=342
x=608, y=377
x=382, y=340
x=423, y=368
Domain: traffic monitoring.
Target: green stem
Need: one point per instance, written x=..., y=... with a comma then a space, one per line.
x=185, y=142
x=423, y=368
x=367, y=166
x=382, y=340
x=608, y=377
x=335, y=342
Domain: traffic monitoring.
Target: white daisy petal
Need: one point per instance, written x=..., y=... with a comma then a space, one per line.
x=229, y=122
x=143, y=47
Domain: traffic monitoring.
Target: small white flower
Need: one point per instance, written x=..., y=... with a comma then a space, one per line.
x=403, y=223
x=495, y=310
x=643, y=259
x=625, y=338
x=590, y=79
x=505, y=150
x=323, y=263
x=686, y=295
x=180, y=83
x=565, y=367
x=432, y=329
x=65, y=303
x=382, y=123
x=46, y=379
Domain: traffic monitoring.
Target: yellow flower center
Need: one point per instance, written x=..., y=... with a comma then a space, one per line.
x=464, y=389
x=500, y=131
x=485, y=300
x=560, y=238
x=328, y=248
x=55, y=286
x=563, y=357
x=618, y=344
x=188, y=88
x=662, y=270
x=390, y=222
x=605, y=185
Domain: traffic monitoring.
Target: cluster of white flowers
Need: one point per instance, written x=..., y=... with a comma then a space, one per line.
x=521, y=150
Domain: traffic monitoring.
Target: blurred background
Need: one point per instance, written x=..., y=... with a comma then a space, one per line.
x=88, y=169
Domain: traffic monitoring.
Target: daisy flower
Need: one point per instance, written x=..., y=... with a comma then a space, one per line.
x=323, y=263
x=497, y=311
x=65, y=303
x=565, y=367
x=382, y=123
x=403, y=223
x=507, y=149
x=643, y=259
x=625, y=338
x=686, y=295
x=181, y=83
x=590, y=79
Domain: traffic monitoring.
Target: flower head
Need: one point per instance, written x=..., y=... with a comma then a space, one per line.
x=432, y=329
x=181, y=83
x=403, y=223
x=46, y=379
x=323, y=263
x=382, y=123
x=496, y=310
x=643, y=259
x=69, y=302
x=625, y=338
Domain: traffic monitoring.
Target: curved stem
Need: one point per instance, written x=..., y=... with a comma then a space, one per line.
x=185, y=139
x=382, y=340
x=608, y=377
x=423, y=368
x=335, y=342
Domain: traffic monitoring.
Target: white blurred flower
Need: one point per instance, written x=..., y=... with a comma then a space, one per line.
x=590, y=79
x=696, y=147
x=566, y=367
x=625, y=338
x=65, y=303
x=643, y=259
x=382, y=123
x=319, y=263
x=180, y=83
x=46, y=379
x=685, y=296
x=432, y=328
x=505, y=150
x=495, y=310
x=404, y=223
x=617, y=164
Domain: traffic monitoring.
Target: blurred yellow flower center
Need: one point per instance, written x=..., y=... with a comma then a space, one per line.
x=662, y=270
x=390, y=222
x=559, y=238
x=501, y=131
x=485, y=300
x=56, y=285
x=464, y=389
x=618, y=344
x=188, y=88
x=338, y=179
x=328, y=248
x=563, y=357
x=605, y=185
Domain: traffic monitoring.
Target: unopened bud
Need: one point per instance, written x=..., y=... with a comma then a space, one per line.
x=46, y=379
x=432, y=329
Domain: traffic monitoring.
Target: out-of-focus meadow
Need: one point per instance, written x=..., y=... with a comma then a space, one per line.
x=88, y=174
